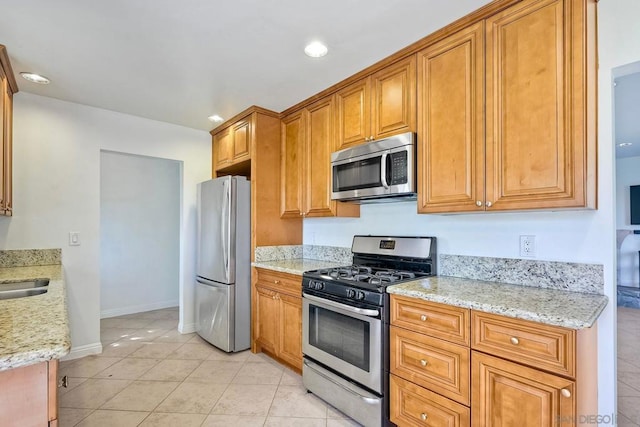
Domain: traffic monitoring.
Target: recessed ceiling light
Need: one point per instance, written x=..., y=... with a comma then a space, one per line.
x=625, y=144
x=35, y=78
x=315, y=50
x=215, y=118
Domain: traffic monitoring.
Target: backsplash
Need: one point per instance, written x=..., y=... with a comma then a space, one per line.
x=322, y=253
x=28, y=257
x=574, y=277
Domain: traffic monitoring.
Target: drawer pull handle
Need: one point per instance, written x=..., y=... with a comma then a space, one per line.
x=515, y=341
x=423, y=317
x=423, y=416
x=423, y=362
x=276, y=281
x=565, y=392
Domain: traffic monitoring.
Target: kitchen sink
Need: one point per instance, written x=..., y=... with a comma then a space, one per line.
x=23, y=288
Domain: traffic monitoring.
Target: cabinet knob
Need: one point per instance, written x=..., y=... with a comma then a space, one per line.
x=276, y=281
x=371, y=138
x=423, y=362
x=423, y=416
x=479, y=203
x=565, y=392
x=423, y=317
x=515, y=341
x=488, y=204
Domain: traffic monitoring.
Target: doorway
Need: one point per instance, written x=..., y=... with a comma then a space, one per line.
x=139, y=233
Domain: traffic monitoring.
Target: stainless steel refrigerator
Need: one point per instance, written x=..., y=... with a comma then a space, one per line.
x=223, y=282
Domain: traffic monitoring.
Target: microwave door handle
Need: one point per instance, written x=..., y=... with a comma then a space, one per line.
x=383, y=170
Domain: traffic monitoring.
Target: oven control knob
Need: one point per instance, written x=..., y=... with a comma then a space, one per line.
x=319, y=286
x=360, y=295
x=351, y=293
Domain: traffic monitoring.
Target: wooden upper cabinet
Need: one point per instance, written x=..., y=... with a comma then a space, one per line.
x=8, y=87
x=222, y=148
x=232, y=145
x=540, y=105
x=534, y=146
x=377, y=106
x=393, y=99
x=320, y=144
x=353, y=113
x=291, y=164
x=241, y=136
x=451, y=123
x=308, y=139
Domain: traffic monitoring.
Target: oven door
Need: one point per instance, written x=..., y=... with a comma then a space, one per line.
x=344, y=338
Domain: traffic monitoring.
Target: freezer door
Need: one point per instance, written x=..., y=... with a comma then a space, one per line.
x=215, y=314
x=216, y=230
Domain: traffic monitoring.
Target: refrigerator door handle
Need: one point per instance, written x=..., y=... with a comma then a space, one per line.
x=224, y=224
x=210, y=282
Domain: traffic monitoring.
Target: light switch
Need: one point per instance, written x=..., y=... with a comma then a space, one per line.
x=74, y=238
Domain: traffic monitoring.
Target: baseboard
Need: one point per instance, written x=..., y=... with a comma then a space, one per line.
x=186, y=328
x=138, y=308
x=83, y=350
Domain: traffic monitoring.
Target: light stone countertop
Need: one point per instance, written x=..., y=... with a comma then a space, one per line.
x=296, y=266
x=572, y=310
x=34, y=329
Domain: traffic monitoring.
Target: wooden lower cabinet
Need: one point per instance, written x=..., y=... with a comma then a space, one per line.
x=508, y=394
x=277, y=321
x=412, y=405
x=29, y=395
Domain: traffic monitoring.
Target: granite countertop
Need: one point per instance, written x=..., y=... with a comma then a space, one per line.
x=33, y=329
x=296, y=265
x=554, y=307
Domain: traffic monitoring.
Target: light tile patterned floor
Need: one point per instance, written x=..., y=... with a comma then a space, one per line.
x=628, y=367
x=151, y=375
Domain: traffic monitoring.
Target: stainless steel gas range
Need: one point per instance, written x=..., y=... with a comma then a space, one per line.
x=345, y=323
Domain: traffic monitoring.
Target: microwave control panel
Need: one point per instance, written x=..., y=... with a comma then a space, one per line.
x=398, y=168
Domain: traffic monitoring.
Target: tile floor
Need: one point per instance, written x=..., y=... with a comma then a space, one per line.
x=628, y=367
x=151, y=375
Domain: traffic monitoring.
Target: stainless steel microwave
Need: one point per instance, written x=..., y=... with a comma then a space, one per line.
x=382, y=170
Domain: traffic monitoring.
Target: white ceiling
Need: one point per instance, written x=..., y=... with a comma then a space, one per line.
x=181, y=61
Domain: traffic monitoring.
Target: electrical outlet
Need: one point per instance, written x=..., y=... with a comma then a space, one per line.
x=528, y=246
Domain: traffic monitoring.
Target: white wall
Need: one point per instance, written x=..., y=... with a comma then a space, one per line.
x=578, y=236
x=57, y=189
x=627, y=174
x=139, y=233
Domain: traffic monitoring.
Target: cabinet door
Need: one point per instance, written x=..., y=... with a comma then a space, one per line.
x=291, y=165
x=451, y=124
x=320, y=144
x=507, y=394
x=353, y=114
x=393, y=99
x=241, y=137
x=25, y=396
x=267, y=320
x=290, y=348
x=223, y=148
x=5, y=123
x=535, y=105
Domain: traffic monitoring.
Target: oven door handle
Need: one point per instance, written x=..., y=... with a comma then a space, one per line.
x=364, y=311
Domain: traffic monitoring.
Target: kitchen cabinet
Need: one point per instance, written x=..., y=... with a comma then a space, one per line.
x=449, y=365
x=8, y=87
x=308, y=140
x=277, y=317
x=378, y=106
x=30, y=395
x=232, y=145
x=507, y=112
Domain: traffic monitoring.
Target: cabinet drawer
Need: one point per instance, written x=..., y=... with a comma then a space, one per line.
x=430, y=318
x=412, y=405
x=283, y=282
x=437, y=365
x=551, y=348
